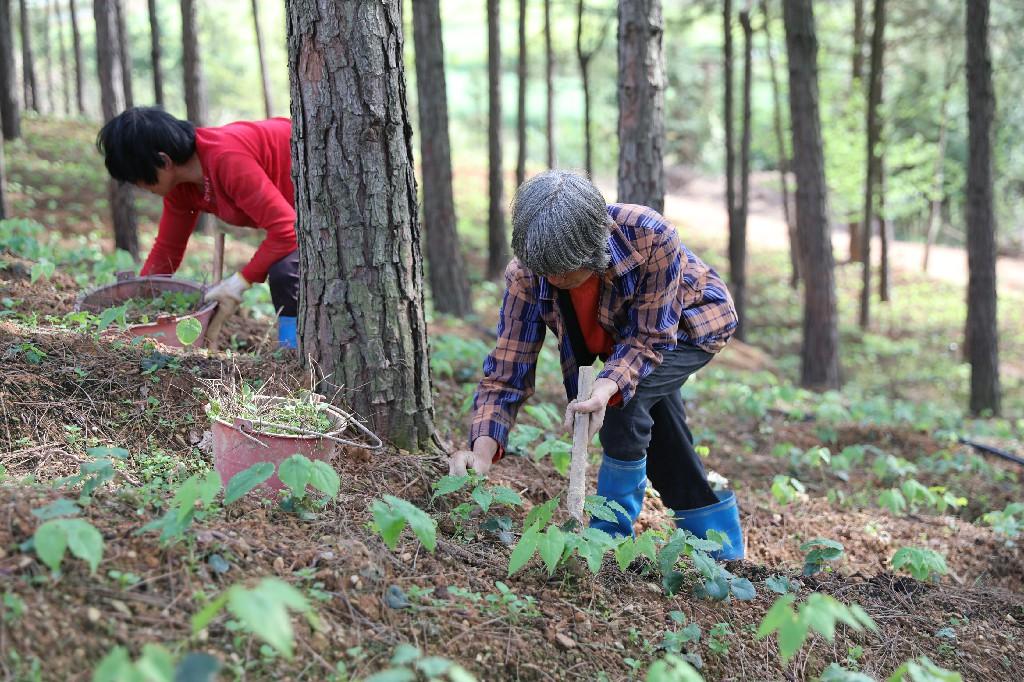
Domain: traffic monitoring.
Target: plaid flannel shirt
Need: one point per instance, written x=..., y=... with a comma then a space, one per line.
x=655, y=295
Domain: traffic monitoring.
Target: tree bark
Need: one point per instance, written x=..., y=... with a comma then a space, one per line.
x=521, y=73
x=728, y=120
x=76, y=41
x=935, y=205
x=497, y=242
x=884, y=237
x=3, y=174
x=641, y=95
x=549, y=84
x=873, y=157
x=124, y=54
x=10, y=113
x=65, y=85
x=28, y=69
x=51, y=101
x=584, y=56
x=448, y=282
x=982, y=328
x=738, y=232
x=794, y=247
x=820, y=352
x=855, y=88
x=268, y=104
x=108, y=61
x=361, y=290
x=195, y=87
x=154, y=54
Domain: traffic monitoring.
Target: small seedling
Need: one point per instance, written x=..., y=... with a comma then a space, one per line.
x=819, y=613
x=921, y=563
x=392, y=514
x=818, y=551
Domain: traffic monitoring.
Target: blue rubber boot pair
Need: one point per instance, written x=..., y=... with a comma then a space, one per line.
x=621, y=481
x=286, y=337
x=724, y=517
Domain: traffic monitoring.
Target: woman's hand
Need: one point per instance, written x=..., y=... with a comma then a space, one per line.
x=479, y=458
x=595, y=406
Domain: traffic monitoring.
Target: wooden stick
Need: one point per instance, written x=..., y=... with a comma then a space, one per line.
x=218, y=252
x=580, y=441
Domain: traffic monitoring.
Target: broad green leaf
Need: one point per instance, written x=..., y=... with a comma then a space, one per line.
x=669, y=554
x=388, y=521
x=646, y=545
x=244, y=481
x=780, y=612
x=704, y=564
x=625, y=552
x=742, y=589
x=156, y=664
x=524, y=549
x=482, y=497
x=550, y=546
x=209, y=612
x=405, y=653
x=542, y=513
x=63, y=507
x=116, y=666
x=672, y=668
x=185, y=498
x=393, y=675
x=105, y=451
x=447, y=485
x=506, y=496
x=294, y=473
x=419, y=521
x=777, y=583
x=433, y=666
x=324, y=478
x=263, y=611
x=84, y=541
x=111, y=315
x=51, y=541
x=188, y=330
x=209, y=486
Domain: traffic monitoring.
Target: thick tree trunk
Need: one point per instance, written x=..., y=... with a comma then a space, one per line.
x=76, y=42
x=641, y=95
x=10, y=112
x=108, y=61
x=873, y=157
x=738, y=232
x=820, y=353
x=549, y=84
x=28, y=69
x=780, y=139
x=497, y=242
x=361, y=299
x=728, y=119
x=154, y=54
x=521, y=73
x=65, y=85
x=982, y=329
x=448, y=282
x=124, y=54
x=268, y=104
x=51, y=101
x=195, y=87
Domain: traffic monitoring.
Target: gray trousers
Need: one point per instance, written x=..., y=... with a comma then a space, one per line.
x=653, y=424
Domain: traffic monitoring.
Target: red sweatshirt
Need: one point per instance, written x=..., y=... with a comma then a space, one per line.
x=247, y=178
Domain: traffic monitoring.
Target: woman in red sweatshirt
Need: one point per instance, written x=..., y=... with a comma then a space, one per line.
x=240, y=172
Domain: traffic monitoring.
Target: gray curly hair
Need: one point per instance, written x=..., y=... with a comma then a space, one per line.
x=560, y=224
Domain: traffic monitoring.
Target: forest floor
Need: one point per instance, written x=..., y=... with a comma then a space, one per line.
x=894, y=425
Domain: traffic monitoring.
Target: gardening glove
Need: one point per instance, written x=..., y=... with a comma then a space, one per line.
x=479, y=458
x=595, y=406
x=230, y=289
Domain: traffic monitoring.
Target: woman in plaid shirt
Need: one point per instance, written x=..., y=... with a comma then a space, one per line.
x=610, y=281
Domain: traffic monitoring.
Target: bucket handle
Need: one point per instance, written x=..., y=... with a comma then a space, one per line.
x=243, y=424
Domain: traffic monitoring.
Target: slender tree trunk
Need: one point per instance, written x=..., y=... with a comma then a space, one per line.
x=521, y=72
x=820, y=353
x=28, y=69
x=65, y=84
x=549, y=83
x=935, y=205
x=195, y=86
x=794, y=247
x=728, y=119
x=738, y=232
x=268, y=105
x=126, y=233
x=361, y=300
x=873, y=157
x=885, y=239
x=125, y=54
x=154, y=54
x=855, y=89
x=448, y=282
x=51, y=101
x=641, y=95
x=497, y=242
x=3, y=175
x=982, y=328
x=9, y=107
x=584, y=61
x=76, y=41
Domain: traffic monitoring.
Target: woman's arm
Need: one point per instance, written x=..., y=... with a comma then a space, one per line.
x=176, y=226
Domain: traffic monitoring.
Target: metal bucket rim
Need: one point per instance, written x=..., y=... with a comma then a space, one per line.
x=257, y=432
x=208, y=308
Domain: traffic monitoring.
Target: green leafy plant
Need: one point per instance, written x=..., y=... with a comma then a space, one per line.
x=408, y=663
x=787, y=490
x=921, y=563
x=298, y=472
x=837, y=673
x=245, y=481
x=672, y=668
x=1008, y=521
x=817, y=552
x=674, y=641
x=54, y=537
x=819, y=613
x=198, y=489
x=923, y=670
x=392, y=514
x=156, y=664
x=718, y=642
x=716, y=582
x=188, y=330
x=95, y=473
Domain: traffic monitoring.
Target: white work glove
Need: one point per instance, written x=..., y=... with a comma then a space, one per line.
x=228, y=291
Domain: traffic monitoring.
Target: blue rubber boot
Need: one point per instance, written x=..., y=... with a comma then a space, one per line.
x=621, y=481
x=723, y=516
x=286, y=332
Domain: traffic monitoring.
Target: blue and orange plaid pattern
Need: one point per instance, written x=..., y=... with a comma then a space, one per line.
x=655, y=295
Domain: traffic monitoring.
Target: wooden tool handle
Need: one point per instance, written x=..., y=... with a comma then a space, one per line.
x=218, y=252
x=580, y=441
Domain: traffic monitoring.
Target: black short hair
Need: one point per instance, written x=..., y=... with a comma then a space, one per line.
x=131, y=143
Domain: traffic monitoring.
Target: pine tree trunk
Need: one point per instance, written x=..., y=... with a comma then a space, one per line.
x=268, y=104
x=361, y=299
x=521, y=72
x=497, y=242
x=108, y=61
x=51, y=102
x=195, y=87
x=873, y=158
x=857, y=71
x=641, y=95
x=584, y=61
x=76, y=41
x=3, y=176
x=982, y=328
x=820, y=353
x=28, y=69
x=885, y=239
x=728, y=120
x=738, y=236
x=9, y=107
x=124, y=54
x=935, y=205
x=65, y=85
x=448, y=282
x=794, y=247
x=549, y=85
x=154, y=54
